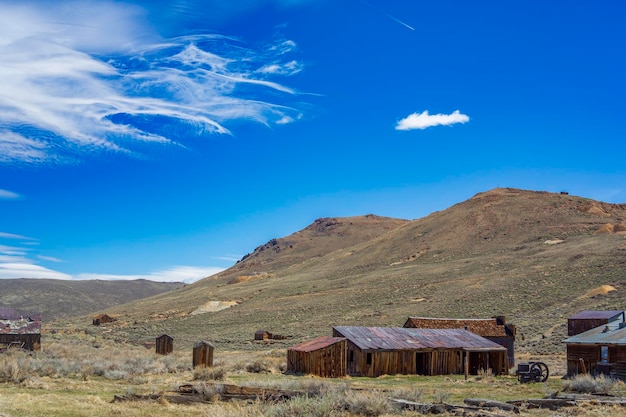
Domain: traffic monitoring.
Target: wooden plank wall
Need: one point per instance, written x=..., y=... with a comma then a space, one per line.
x=164, y=345
x=589, y=354
x=202, y=355
x=27, y=341
x=328, y=362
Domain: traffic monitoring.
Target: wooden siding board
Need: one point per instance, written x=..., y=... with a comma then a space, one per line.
x=327, y=360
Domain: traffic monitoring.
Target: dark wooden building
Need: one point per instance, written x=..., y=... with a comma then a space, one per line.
x=20, y=331
x=101, y=319
x=375, y=351
x=203, y=354
x=324, y=356
x=495, y=329
x=601, y=350
x=164, y=344
x=262, y=335
x=589, y=319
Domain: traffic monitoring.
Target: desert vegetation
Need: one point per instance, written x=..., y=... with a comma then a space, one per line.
x=81, y=374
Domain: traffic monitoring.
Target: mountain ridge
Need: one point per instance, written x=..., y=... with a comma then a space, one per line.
x=532, y=256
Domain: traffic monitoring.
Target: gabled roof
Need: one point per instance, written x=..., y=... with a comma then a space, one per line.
x=401, y=338
x=597, y=314
x=317, y=343
x=613, y=333
x=482, y=327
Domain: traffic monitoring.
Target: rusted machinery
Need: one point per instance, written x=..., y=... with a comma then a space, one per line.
x=532, y=372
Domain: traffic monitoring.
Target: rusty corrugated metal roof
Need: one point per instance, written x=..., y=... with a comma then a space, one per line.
x=597, y=314
x=317, y=343
x=12, y=322
x=482, y=327
x=402, y=338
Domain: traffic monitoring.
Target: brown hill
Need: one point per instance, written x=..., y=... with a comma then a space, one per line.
x=533, y=256
x=55, y=298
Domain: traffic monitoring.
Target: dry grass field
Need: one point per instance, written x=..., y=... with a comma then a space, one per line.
x=80, y=375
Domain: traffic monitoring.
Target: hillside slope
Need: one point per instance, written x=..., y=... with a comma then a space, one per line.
x=58, y=298
x=535, y=257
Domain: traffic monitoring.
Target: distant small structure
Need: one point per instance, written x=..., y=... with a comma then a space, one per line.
x=203, y=354
x=262, y=335
x=324, y=356
x=265, y=335
x=164, y=344
x=101, y=319
x=589, y=319
x=19, y=330
x=495, y=329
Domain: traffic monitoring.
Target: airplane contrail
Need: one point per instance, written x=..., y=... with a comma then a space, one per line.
x=389, y=16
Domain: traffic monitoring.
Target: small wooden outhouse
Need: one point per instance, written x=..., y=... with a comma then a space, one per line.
x=164, y=344
x=203, y=354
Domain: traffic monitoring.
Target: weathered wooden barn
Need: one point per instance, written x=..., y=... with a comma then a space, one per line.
x=601, y=350
x=495, y=329
x=18, y=330
x=590, y=319
x=203, y=354
x=164, y=344
x=101, y=319
x=324, y=356
x=375, y=351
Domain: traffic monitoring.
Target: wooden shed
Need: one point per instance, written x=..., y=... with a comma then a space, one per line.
x=101, y=319
x=164, y=344
x=495, y=329
x=262, y=335
x=589, y=319
x=601, y=350
x=203, y=354
x=324, y=356
x=375, y=351
x=20, y=331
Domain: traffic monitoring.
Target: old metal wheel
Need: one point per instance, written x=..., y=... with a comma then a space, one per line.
x=539, y=372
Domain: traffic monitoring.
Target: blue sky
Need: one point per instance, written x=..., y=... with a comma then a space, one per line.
x=167, y=139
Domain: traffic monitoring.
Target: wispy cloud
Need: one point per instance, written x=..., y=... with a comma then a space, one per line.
x=6, y=235
x=8, y=195
x=49, y=258
x=425, y=120
x=28, y=270
x=71, y=85
x=187, y=274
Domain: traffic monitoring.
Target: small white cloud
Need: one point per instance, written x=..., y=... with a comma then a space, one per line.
x=8, y=195
x=187, y=274
x=424, y=120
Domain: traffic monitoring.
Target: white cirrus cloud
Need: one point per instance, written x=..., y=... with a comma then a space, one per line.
x=186, y=274
x=425, y=120
x=71, y=85
x=6, y=235
x=6, y=194
x=28, y=270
